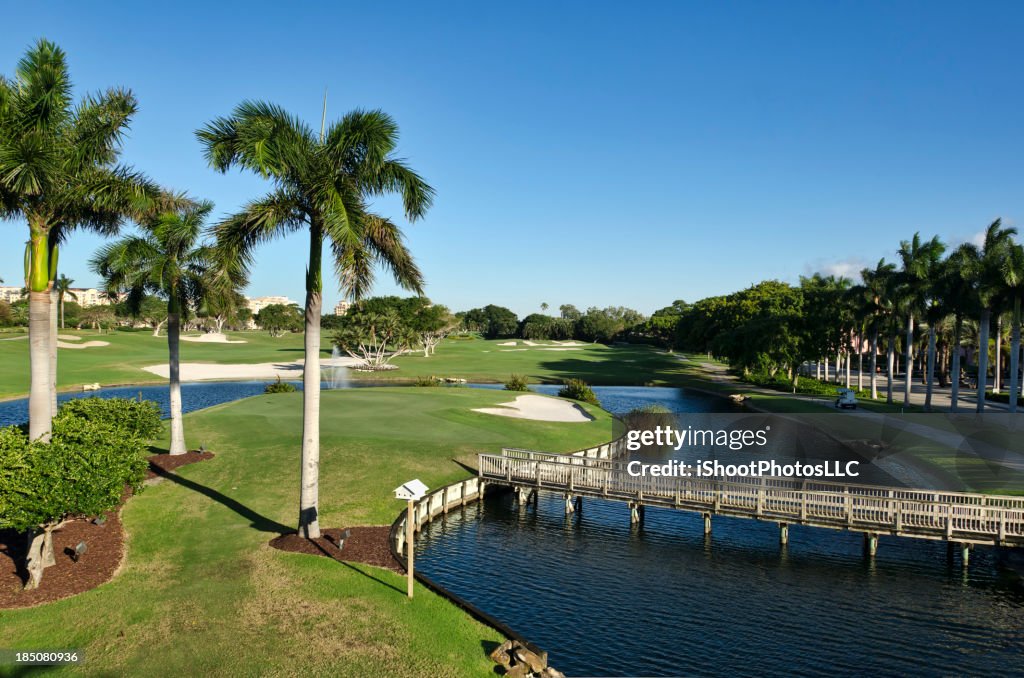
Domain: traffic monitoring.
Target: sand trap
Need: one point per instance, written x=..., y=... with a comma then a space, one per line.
x=560, y=348
x=213, y=338
x=529, y=343
x=539, y=408
x=212, y=371
x=512, y=350
x=507, y=343
x=69, y=337
x=85, y=344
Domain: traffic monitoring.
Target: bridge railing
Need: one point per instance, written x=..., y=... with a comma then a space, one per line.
x=864, y=507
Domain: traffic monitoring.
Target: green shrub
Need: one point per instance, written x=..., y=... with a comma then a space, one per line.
x=279, y=387
x=428, y=381
x=1002, y=398
x=516, y=382
x=577, y=389
x=127, y=417
x=81, y=472
x=648, y=417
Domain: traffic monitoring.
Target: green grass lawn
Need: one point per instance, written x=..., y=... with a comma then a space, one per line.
x=477, y=360
x=201, y=592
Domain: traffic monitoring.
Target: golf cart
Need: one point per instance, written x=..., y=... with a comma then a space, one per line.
x=847, y=399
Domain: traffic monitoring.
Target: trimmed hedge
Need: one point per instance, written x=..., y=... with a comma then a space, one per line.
x=124, y=416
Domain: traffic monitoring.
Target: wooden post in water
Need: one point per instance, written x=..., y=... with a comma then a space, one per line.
x=870, y=544
x=783, y=533
x=707, y=523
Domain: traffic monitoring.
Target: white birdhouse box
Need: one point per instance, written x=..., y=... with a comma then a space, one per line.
x=413, y=490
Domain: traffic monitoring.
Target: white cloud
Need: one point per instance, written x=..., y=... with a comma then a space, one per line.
x=842, y=268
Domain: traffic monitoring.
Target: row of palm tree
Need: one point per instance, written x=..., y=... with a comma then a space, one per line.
x=928, y=297
x=59, y=172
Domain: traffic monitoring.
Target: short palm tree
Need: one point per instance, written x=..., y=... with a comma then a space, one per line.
x=58, y=172
x=322, y=185
x=920, y=262
x=63, y=288
x=166, y=259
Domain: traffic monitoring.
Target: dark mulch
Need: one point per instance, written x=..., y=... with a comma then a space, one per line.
x=365, y=545
x=169, y=462
x=66, y=578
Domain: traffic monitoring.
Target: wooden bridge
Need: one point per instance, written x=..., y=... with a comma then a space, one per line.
x=956, y=517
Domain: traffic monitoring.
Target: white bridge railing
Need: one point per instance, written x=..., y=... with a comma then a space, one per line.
x=955, y=516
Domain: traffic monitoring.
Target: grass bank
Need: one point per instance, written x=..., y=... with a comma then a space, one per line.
x=201, y=593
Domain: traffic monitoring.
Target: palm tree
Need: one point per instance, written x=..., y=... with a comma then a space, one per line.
x=985, y=268
x=63, y=288
x=876, y=290
x=958, y=291
x=1013, y=280
x=58, y=172
x=920, y=261
x=322, y=184
x=165, y=259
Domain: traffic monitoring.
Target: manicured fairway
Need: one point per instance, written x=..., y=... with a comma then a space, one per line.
x=201, y=593
x=476, y=360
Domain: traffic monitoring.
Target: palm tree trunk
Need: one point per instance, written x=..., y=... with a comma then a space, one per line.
x=61, y=300
x=40, y=411
x=1014, y=355
x=51, y=347
x=986, y=316
x=954, y=377
x=874, y=363
x=817, y=369
x=930, y=369
x=848, y=361
x=998, y=366
x=891, y=363
x=309, y=493
x=174, y=363
x=909, y=358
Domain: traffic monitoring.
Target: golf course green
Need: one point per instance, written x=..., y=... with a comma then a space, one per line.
x=201, y=589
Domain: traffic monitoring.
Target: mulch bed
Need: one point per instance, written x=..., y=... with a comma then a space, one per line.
x=169, y=462
x=105, y=549
x=364, y=545
x=66, y=578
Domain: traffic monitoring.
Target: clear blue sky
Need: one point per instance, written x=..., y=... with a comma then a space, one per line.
x=591, y=153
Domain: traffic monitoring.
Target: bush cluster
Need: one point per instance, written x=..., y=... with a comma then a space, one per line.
x=279, y=387
x=126, y=417
x=517, y=382
x=577, y=389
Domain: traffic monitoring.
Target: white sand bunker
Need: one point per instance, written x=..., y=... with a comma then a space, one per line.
x=214, y=338
x=214, y=371
x=539, y=408
x=560, y=348
x=69, y=337
x=84, y=344
x=507, y=343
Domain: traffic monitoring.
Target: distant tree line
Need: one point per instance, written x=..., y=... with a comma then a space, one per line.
x=614, y=323
x=946, y=318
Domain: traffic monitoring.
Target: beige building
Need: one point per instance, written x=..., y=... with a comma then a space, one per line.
x=84, y=296
x=256, y=304
x=341, y=308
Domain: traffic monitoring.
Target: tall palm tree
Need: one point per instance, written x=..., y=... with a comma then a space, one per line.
x=63, y=288
x=957, y=288
x=876, y=290
x=920, y=261
x=985, y=267
x=166, y=259
x=1013, y=280
x=323, y=184
x=58, y=172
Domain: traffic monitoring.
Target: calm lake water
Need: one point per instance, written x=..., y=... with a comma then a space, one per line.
x=605, y=598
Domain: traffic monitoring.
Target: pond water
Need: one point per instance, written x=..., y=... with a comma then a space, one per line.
x=606, y=598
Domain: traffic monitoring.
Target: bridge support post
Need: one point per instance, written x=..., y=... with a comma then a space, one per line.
x=569, y=508
x=783, y=533
x=965, y=554
x=707, y=523
x=636, y=512
x=579, y=503
x=870, y=544
x=520, y=496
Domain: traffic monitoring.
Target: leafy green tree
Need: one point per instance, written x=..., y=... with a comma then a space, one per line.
x=323, y=185
x=569, y=312
x=59, y=172
x=493, y=322
x=167, y=259
x=151, y=310
x=277, y=319
x=878, y=307
x=224, y=307
x=375, y=336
